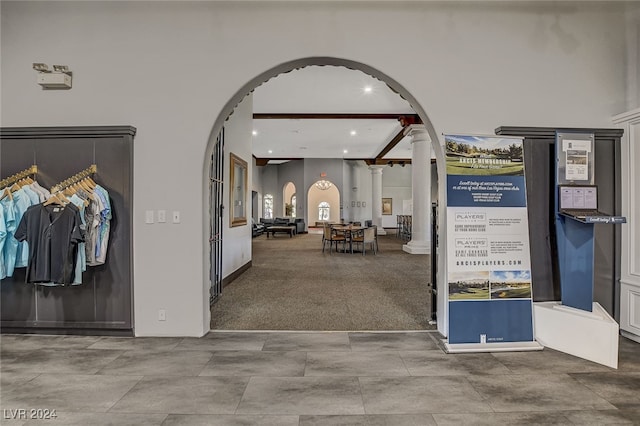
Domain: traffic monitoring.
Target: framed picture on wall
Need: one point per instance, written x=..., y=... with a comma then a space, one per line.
x=358, y=204
x=364, y=204
x=387, y=206
x=353, y=204
x=237, y=194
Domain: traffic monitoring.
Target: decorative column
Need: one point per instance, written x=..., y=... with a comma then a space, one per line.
x=353, y=194
x=630, y=249
x=376, y=197
x=421, y=190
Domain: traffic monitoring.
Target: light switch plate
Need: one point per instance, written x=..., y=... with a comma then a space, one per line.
x=176, y=216
x=148, y=218
x=162, y=216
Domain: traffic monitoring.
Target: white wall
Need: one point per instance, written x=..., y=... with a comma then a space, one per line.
x=236, y=241
x=169, y=68
x=396, y=184
x=632, y=15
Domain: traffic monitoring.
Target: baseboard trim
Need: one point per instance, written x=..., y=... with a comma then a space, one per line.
x=235, y=274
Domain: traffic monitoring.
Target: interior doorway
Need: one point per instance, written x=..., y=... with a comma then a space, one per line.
x=323, y=204
x=339, y=62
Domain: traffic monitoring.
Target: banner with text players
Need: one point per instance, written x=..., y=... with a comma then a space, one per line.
x=488, y=259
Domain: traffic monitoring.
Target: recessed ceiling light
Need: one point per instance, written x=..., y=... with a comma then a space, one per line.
x=353, y=133
x=345, y=151
x=368, y=89
x=270, y=152
x=254, y=133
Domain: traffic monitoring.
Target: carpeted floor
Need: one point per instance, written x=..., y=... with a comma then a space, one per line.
x=292, y=285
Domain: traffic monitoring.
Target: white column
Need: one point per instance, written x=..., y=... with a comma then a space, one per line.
x=376, y=197
x=353, y=194
x=421, y=190
x=630, y=249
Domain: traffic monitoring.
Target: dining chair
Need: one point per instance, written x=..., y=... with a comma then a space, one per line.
x=376, y=236
x=368, y=236
x=331, y=236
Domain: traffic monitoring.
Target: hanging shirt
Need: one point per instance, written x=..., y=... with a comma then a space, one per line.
x=81, y=260
x=104, y=226
x=34, y=198
x=43, y=193
x=21, y=202
x=11, y=244
x=3, y=238
x=53, y=233
x=92, y=220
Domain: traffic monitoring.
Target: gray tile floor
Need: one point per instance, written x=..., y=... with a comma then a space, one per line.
x=280, y=378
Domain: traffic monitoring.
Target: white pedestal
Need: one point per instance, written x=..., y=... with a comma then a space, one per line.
x=458, y=348
x=589, y=335
x=416, y=247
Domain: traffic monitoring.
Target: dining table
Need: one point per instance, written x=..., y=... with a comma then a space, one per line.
x=348, y=231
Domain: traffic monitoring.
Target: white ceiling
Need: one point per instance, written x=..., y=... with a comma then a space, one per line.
x=327, y=89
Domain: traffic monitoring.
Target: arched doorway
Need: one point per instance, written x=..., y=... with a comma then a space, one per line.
x=323, y=203
x=396, y=87
x=289, y=199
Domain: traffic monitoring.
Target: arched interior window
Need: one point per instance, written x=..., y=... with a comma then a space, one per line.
x=267, y=210
x=323, y=211
x=293, y=205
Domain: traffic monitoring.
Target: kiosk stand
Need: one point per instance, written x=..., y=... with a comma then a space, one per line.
x=577, y=325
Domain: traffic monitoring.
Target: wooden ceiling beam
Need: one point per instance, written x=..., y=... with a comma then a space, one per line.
x=385, y=162
x=394, y=141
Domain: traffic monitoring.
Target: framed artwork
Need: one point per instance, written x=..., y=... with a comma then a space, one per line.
x=353, y=204
x=364, y=204
x=358, y=204
x=387, y=206
x=238, y=193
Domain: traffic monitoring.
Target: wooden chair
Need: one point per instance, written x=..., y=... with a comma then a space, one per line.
x=368, y=236
x=331, y=236
x=376, y=234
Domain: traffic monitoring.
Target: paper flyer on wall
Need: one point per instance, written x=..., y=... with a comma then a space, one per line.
x=488, y=256
x=577, y=159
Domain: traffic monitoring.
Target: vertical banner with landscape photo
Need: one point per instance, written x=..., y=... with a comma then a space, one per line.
x=488, y=260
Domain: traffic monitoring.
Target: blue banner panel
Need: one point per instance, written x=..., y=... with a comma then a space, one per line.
x=486, y=191
x=496, y=320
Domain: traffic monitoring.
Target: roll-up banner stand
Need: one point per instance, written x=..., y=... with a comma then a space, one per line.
x=488, y=260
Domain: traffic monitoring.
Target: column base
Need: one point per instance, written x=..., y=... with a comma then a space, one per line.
x=417, y=247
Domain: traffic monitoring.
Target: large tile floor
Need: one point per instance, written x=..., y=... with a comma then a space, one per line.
x=280, y=378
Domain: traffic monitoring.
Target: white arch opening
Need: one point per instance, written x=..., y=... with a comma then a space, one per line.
x=436, y=144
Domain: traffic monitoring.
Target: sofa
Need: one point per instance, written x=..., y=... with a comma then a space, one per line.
x=256, y=228
x=285, y=221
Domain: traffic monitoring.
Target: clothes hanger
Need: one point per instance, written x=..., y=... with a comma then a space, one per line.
x=90, y=182
x=57, y=198
x=84, y=184
x=6, y=193
x=68, y=191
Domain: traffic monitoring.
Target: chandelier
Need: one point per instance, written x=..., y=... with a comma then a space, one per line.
x=323, y=184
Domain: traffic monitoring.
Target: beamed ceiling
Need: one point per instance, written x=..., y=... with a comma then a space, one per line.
x=330, y=112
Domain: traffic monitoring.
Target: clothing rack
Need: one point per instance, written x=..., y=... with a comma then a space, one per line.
x=21, y=175
x=92, y=169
